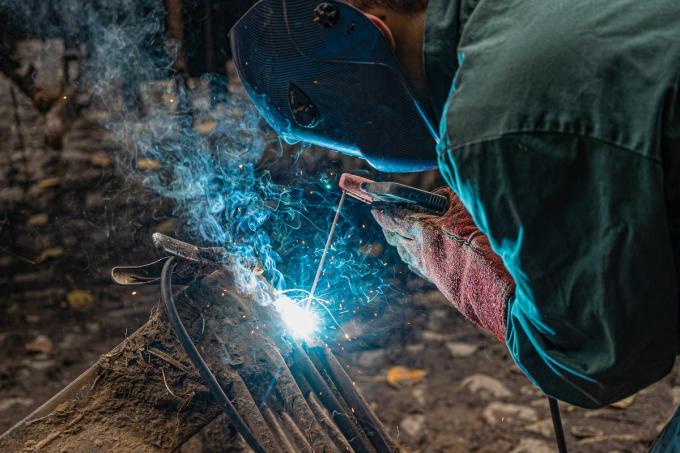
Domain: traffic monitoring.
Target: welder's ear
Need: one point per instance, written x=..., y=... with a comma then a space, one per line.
x=384, y=29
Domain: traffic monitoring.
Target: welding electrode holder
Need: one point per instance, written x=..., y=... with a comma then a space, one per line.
x=393, y=195
x=193, y=262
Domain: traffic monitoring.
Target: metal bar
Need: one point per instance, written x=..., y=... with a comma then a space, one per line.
x=278, y=430
x=340, y=415
x=296, y=405
x=300, y=439
x=372, y=426
x=332, y=429
x=246, y=406
x=557, y=425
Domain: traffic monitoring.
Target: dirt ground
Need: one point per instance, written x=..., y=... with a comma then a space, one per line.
x=67, y=217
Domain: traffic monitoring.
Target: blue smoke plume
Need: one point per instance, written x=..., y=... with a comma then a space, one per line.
x=234, y=184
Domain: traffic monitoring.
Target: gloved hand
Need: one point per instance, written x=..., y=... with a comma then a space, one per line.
x=452, y=253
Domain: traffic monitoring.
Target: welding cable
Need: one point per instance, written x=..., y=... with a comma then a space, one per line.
x=557, y=425
x=203, y=369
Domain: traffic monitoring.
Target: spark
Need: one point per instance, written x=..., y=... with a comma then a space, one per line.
x=302, y=323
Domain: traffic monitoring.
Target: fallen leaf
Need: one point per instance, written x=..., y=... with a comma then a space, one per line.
x=205, y=127
x=37, y=220
x=581, y=431
x=41, y=343
x=100, y=159
x=48, y=183
x=148, y=164
x=624, y=403
x=52, y=252
x=371, y=249
x=167, y=226
x=79, y=299
x=399, y=375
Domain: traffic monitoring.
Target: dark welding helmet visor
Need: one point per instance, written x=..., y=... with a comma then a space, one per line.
x=321, y=72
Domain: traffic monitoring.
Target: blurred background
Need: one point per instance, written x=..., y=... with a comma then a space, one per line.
x=100, y=103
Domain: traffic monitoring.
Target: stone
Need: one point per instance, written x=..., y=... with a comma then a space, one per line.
x=543, y=427
x=415, y=348
x=675, y=391
x=530, y=390
x=632, y=438
x=461, y=349
x=582, y=431
x=498, y=412
x=40, y=364
x=413, y=425
x=41, y=343
x=530, y=445
x=37, y=220
x=486, y=386
x=429, y=335
x=419, y=394
x=370, y=359
x=9, y=403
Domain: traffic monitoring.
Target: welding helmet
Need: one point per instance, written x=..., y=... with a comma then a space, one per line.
x=323, y=73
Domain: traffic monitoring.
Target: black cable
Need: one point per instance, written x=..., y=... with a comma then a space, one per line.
x=557, y=425
x=195, y=356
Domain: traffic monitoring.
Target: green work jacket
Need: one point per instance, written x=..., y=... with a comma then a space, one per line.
x=560, y=132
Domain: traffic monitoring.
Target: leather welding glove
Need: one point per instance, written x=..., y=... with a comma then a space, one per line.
x=452, y=253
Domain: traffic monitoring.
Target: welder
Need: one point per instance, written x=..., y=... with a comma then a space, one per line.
x=557, y=128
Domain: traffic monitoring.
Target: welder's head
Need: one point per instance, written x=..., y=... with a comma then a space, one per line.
x=325, y=73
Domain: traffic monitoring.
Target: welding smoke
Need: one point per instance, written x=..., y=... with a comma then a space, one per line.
x=210, y=157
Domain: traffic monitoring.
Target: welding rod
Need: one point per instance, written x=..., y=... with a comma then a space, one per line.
x=325, y=250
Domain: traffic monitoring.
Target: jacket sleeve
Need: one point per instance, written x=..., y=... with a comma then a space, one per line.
x=581, y=226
